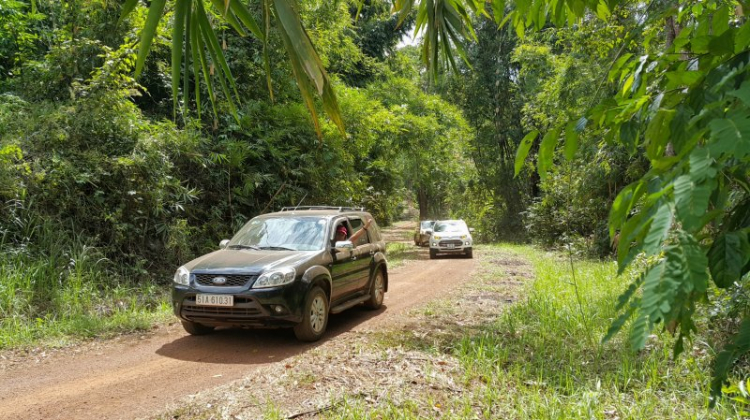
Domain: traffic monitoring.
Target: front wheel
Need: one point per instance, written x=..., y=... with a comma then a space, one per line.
x=469, y=253
x=194, y=328
x=377, y=291
x=314, y=316
x=433, y=254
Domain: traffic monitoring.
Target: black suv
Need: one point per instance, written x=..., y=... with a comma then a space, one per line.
x=285, y=269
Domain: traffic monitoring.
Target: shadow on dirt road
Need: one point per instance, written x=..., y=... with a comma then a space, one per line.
x=252, y=346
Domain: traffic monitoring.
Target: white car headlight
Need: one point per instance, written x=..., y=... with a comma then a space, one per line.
x=182, y=276
x=277, y=277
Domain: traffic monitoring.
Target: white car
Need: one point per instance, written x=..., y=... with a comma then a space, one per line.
x=451, y=237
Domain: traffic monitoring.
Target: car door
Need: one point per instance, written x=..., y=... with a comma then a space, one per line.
x=345, y=266
x=363, y=254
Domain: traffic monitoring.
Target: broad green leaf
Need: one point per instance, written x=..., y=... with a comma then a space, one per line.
x=701, y=165
x=694, y=265
x=246, y=18
x=722, y=44
x=498, y=10
x=743, y=93
x=617, y=67
x=649, y=312
x=523, y=150
x=730, y=136
x=691, y=201
x=127, y=8
x=546, y=151
x=720, y=23
x=602, y=11
x=299, y=43
x=742, y=38
x=727, y=257
x=147, y=33
x=658, y=133
x=683, y=78
x=658, y=230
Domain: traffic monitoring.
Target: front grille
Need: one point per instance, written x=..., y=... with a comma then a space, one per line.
x=233, y=280
x=243, y=309
x=456, y=242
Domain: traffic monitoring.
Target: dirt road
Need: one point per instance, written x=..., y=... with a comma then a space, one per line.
x=135, y=376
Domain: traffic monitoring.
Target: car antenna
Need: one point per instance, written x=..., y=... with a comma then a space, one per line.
x=300, y=201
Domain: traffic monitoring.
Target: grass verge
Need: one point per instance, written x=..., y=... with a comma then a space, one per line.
x=542, y=356
x=61, y=297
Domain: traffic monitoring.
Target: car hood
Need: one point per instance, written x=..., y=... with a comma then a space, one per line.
x=247, y=260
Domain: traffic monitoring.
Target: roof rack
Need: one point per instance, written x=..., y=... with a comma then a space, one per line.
x=337, y=208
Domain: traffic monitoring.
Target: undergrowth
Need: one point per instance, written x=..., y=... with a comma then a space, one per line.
x=543, y=357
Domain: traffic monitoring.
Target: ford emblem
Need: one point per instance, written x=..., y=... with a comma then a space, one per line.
x=219, y=280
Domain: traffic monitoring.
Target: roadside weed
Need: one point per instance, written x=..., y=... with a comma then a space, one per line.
x=542, y=356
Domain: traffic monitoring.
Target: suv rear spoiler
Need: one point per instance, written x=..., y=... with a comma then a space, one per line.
x=323, y=208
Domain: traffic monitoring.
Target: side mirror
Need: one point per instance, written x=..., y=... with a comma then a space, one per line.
x=471, y=230
x=344, y=244
x=428, y=231
x=223, y=244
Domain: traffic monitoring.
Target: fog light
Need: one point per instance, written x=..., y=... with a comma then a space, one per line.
x=277, y=309
x=466, y=243
x=434, y=244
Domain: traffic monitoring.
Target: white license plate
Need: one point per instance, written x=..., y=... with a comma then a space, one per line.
x=451, y=246
x=214, y=300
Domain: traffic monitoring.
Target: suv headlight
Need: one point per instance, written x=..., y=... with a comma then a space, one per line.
x=182, y=276
x=277, y=277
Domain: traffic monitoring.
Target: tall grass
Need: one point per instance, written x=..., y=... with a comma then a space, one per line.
x=542, y=358
x=60, y=289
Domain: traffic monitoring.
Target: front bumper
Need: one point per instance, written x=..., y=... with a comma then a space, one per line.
x=251, y=308
x=450, y=245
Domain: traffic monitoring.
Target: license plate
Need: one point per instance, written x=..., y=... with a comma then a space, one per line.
x=214, y=300
x=451, y=246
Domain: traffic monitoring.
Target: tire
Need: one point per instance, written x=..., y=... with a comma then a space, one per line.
x=433, y=254
x=314, y=316
x=194, y=328
x=470, y=253
x=377, y=291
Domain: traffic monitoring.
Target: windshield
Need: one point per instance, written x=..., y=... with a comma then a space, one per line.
x=281, y=233
x=451, y=226
x=427, y=224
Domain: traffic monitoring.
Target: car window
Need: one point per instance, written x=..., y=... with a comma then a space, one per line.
x=357, y=224
x=374, y=232
x=427, y=224
x=282, y=233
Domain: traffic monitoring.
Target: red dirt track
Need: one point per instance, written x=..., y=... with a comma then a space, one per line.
x=137, y=376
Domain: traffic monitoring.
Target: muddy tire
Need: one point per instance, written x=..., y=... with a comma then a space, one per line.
x=314, y=316
x=194, y=328
x=433, y=254
x=469, y=253
x=377, y=291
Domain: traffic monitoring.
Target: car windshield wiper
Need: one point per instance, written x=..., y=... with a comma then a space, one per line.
x=277, y=248
x=244, y=247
